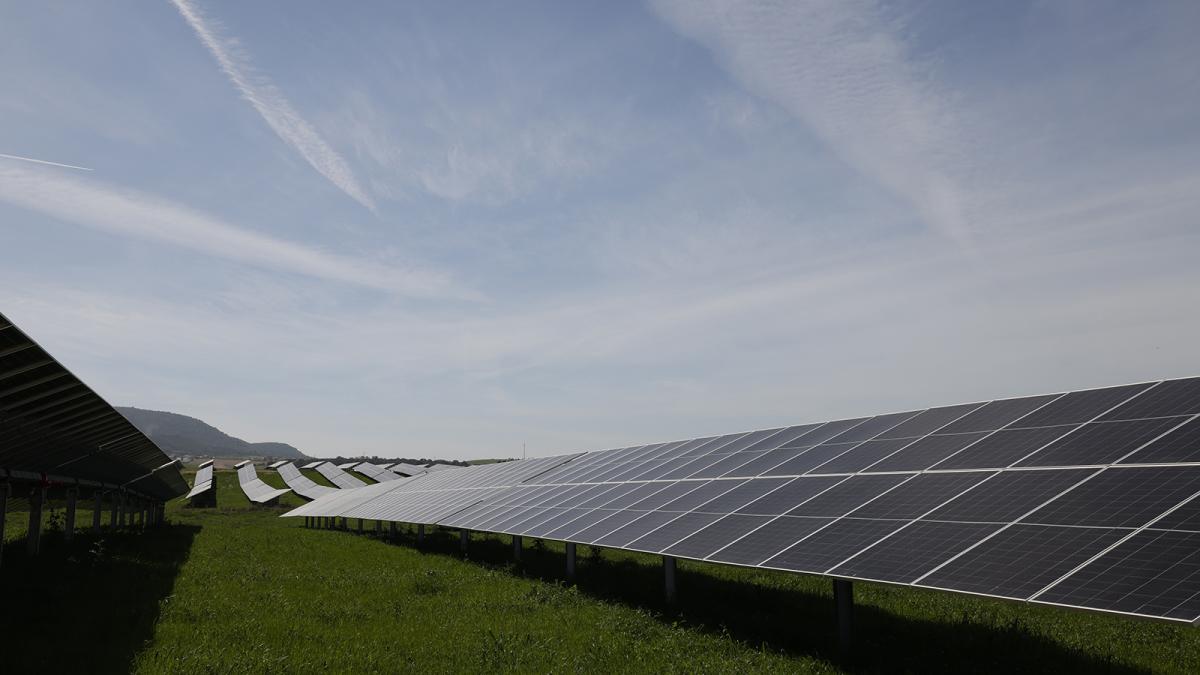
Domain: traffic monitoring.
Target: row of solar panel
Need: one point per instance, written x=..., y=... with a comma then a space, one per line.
x=203, y=482
x=54, y=427
x=722, y=499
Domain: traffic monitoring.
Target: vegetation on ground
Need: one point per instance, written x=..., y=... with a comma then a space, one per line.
x=237, y=589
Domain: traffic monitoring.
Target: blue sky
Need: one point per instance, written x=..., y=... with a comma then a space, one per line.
x=449, y=229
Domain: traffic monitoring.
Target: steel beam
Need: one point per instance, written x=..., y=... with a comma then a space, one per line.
x=843, y=598
x=96, y=512
x=570, y=561
x=669, y=579
x=69, y=522
x=34, y=537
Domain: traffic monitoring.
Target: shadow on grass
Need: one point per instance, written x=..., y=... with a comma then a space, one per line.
x=91, y=605
x=786, y=620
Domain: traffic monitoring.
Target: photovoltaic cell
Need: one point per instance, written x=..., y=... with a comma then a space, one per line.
x=1080, y=406
x=742, y=495
x=1100, y=442
x=872, y=427
x=811, y=459
x=1009, y=495
x=765, y=542
x=1181, y=445
x=1154, y=573
x=727, y=464
x=997, y=414
x=700, y=495
x=715, y=536
x=831, y=545
x=790, y=496
x=673, y=531
x=668, y=494
x=861, y=456
x=926, y=452
x=929, y=421
x=918, y=496
x=914, y=550
x=1173, y=397
x=1186, y=517
x=612, y=521
x=1022, y=560
x=1121, y=497
x=844, y=497
x=825, y=432
x=649, y=521
x=768, y=460
x=1003, y=448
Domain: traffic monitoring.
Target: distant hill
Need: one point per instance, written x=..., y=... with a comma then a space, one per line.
x=183, y=435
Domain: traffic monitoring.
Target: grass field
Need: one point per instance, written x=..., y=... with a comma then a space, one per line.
x=237, y=589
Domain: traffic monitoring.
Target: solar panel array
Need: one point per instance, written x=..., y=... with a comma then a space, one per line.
x=54, y=425
x=256, y=490
x=404, y=469
x=375, y=472
x=1085, y=499
x=204, y=480
x=313, y=465
x=301, y=484
x=336, y=475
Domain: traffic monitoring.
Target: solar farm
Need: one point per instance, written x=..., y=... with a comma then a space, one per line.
x=1055, y=532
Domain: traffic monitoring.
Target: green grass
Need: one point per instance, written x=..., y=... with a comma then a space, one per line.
x=237, y=589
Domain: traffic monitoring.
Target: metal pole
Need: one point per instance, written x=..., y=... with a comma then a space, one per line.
x=35, y=519
x=4, y=490
x=115, y=510
x=570, y=561
x=517, y=548
x=360, y=525
x=392, y=530
x=378, y=526
x=420, y=534
x=69, y=525
x=97, y=512
x=669, y=579
x=464, y=538
x=843, y=597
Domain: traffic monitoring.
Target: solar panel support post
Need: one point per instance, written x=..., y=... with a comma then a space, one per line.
x=420, y=534
x=570, y=561
x=392, y=530
x=69, y=522
x=378, y=526
x=34, y=537
x=97, y=512
x=114, y=512
x=464, y=539
x=360, y=525
x=843, y=598
x=4, y=490
x=516, y=548
x=669, y=579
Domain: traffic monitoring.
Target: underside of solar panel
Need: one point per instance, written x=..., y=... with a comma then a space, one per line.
x=1086, y=499
x=56, y=429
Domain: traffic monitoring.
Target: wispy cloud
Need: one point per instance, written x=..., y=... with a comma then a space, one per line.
x=274, y=107
x=839, y=67
x=128, y=212
x=43, y=161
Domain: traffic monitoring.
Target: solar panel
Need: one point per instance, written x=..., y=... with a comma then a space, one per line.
x=253, y=487
x=1086, y=499
x=301, y=484
x=203, y=482
x=53, y=427
x=337, y=475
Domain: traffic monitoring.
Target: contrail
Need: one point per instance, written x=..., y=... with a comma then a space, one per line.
x=42, y=161
x=273, y=106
